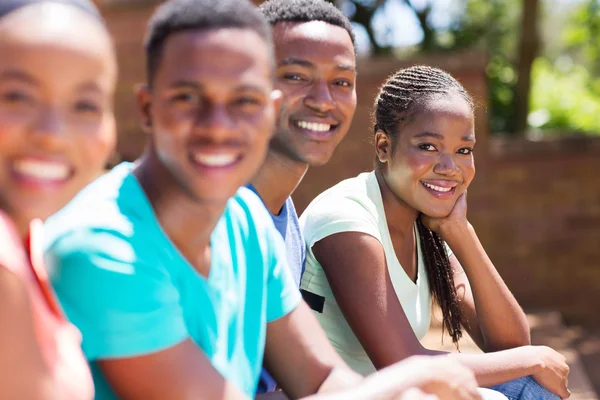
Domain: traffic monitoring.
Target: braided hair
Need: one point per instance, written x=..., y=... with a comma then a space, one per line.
x=399, y=99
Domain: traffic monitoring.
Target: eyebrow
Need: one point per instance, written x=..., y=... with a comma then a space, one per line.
x=468, y=138
x=308, y=64
x=89, y=87
x=15, y=74
x=186, y=84
x=199, y=87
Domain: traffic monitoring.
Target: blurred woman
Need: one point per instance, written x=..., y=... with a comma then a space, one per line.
x=57, y=130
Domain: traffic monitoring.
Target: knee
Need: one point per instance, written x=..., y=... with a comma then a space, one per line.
x=533, y=390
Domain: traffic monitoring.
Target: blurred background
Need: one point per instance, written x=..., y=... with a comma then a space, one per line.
x=533, y=67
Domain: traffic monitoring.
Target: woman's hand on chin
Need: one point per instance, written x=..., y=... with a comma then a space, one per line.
x=455, y=221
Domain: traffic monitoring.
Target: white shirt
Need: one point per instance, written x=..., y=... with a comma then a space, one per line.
x=355, y=205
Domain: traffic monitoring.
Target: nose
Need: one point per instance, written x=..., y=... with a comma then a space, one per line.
x=319, y=97
x=445, y=165
x=215, y=122
x=49, y=128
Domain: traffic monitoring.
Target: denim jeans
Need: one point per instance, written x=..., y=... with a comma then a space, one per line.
x=524, y=389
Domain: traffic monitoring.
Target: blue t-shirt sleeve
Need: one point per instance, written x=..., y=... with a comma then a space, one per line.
x=282, y=292
x=123, y=302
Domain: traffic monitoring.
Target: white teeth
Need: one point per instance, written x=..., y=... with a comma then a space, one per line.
x=314, y=126
x=215, y=160
x=43, y=170
x=437, y=188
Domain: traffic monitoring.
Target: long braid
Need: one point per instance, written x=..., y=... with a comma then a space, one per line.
x=441, y=281
x=400, y=97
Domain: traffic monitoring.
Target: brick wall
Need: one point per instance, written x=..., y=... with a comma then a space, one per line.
x=536, y=206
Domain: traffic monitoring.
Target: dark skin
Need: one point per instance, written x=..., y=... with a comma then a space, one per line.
x=56, y=92
x=226, y=108
x=316, y=73
x=434, y=148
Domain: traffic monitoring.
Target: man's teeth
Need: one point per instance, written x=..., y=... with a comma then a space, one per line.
x=314, y=126
x=437, y=188
x=215, y=160
x=42, y=170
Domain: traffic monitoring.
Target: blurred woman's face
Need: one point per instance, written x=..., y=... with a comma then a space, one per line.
x=57, y=127
x=430, y=163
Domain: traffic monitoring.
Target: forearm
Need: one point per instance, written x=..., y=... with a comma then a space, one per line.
x=502, y=322
x=503, y=366
x=348, y=385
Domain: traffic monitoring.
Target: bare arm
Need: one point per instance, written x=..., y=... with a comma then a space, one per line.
x=23, y=374
x=300, y=357
x=303, y=361
x=494, y=319
x=180, y=372
x=356, y=269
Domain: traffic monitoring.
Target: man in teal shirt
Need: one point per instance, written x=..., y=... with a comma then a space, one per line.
x=174, y=275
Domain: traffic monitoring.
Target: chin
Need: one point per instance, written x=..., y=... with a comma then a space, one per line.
x=436, y=212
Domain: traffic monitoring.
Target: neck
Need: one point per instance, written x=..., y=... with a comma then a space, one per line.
x=187, y=222
x=399, y=216
x=277, y=179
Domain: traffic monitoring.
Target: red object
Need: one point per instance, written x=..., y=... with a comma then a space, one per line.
x=59, y=341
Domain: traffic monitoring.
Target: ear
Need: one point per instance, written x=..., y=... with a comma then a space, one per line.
x=383, y=146
x=276, y=98
x=144, y=103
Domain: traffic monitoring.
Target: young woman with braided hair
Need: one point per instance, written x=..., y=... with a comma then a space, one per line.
x=383, y=244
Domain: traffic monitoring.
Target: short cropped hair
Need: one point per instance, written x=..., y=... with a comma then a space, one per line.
x=177, y=16
x=306, y=11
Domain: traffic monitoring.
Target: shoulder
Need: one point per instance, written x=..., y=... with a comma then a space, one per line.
x=106, y=210
x=337, y=199
x=247, y=210
x=347, y=206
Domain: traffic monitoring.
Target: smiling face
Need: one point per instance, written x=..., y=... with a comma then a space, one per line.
x=57, y=127
x=316, y=72
x=211, y=110
x=430, y=163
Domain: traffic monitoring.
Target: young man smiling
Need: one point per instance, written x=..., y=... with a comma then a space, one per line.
x=316, y=73
x=177, y=279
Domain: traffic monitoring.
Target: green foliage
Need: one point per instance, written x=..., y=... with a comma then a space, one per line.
x=564, y=101
x=581, y=35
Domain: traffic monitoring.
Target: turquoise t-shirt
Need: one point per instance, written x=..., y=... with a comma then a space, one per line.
x=125, y=285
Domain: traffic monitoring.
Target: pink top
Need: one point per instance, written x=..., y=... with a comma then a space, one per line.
x=59, y=341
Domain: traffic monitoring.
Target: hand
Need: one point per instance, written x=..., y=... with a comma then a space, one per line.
x=448, y=379
x=554, y=371
x=438, y=376
x=458, y=216
x=417, y=394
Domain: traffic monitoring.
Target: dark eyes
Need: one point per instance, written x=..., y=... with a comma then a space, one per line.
x=298, y=78
x=465, y=151
x=87, y=107
x=16, y=97
x=243, y=101
x=293, y=77
x=184, y=98
x=343, y=83
x=427, y=147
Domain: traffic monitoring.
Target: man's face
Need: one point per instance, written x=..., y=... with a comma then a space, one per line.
x=212, y=109
x=316, y=72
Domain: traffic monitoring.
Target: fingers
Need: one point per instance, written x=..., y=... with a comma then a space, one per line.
x=416, y=394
